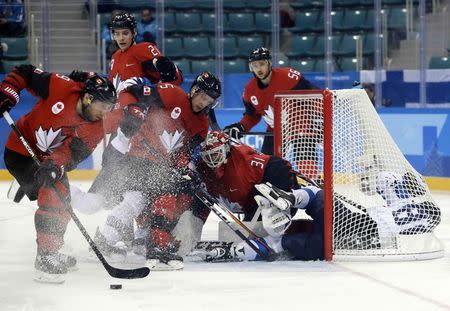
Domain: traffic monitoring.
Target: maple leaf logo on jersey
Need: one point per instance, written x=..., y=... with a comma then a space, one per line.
x=172, y=141
x=116, y=81
x=268, y=116
x=48, y=141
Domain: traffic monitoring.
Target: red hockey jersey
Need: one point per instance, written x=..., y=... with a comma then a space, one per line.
x=259, y=99
x=128, y=64
x=235, y=179
x=53, y=123
x=170, y=127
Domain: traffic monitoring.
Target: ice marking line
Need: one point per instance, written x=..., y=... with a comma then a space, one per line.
x=392, y=286
x=15, y=217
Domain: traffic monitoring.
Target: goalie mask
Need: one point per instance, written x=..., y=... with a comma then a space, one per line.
x=215, y=149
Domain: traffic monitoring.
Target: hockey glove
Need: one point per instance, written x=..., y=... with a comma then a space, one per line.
x=80, y=76
x=134, y=117
x=233, y=130
x=274, y=220
x=9, y=97
x=48, y=173
x=166, y=69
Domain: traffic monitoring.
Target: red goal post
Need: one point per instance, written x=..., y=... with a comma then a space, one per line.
x=377, y=207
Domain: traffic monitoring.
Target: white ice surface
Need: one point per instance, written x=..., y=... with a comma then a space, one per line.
x=247, y=286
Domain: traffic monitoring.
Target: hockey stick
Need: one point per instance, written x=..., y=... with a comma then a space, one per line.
x=215, y=206
x=114, y=272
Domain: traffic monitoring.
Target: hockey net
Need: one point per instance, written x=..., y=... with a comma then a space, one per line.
x=377, y=207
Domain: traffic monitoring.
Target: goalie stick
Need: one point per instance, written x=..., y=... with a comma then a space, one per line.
x=114, y=272
x=219, y=210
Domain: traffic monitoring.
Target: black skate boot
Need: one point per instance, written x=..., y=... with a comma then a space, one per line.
x=49, y=269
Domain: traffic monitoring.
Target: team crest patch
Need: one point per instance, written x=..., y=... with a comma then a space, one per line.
x=175, y=113
x=58, y=107
x=147, y=91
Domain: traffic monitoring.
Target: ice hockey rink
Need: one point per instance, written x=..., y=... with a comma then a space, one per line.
x=420, y=285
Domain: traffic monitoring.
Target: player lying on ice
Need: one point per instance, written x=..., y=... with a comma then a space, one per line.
x=63, y=128
x=158, y=135
x=239, y=174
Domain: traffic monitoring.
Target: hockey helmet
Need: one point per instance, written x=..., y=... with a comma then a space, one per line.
x=207, y=83
x=260, y=53
x=124, y=20
x=100, y=89
x=215, y=148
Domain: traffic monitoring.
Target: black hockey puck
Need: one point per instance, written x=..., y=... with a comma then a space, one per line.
x=115, y=286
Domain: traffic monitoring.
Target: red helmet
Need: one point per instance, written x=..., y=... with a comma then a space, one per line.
x=215, y=148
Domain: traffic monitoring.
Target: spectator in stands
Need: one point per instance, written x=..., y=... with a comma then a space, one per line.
x=147, y=28
x=111, y=45
x=11, y=17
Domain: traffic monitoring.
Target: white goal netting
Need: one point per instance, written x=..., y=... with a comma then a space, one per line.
x=381, y=206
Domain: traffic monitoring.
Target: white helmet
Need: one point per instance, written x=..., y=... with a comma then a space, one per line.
x=215, y=149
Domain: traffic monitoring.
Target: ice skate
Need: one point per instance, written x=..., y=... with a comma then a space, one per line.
x=162, y=260
x=49, y=269
x=113, y=253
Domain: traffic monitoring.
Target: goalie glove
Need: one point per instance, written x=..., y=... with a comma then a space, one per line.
x=281, y=199
x=233, y=130
x=275, y=221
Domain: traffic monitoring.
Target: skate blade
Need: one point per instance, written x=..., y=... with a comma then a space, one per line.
x=43, y=277
x=112, y=259
x=156, y=265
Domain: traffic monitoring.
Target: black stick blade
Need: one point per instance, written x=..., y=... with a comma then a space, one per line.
x=138, y=273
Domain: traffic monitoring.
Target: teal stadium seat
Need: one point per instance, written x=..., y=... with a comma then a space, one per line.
x=188, y=22
x=240, y=23
x=173, y=47
x=205, y=4
x=318, y=49
x=306, y=4
x=347, y=64
x=209, y=22
x=234, y=5
x=353, y=20
x=348, y=45
x=439, y=63
x=183, y=64
x=303, y=65
x=305, y=21
x=259, y=4
x=179, y=4
x=263, y=22
x=203, y=65
x=368, y=44
x=9, y=65
x=397, y=18
x=169, y=22
x=319, y=26
x=393, y=2
x=17, y=48
x=235, y=66
x=135, y=4
x=369, y=21
x=229, y=47
x=346, y=3
x=248, y=44
x=320, y=65
x=336, y=19
x=300, y=46
x=197, y=47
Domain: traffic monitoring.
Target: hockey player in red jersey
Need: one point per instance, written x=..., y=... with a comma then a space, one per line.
x=254, y=180
x=63, y=128
x=159, y=149
x=138, y=59
x=258, y=96
x=240, y=174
